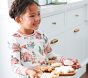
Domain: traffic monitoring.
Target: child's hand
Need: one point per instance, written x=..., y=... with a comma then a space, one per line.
x=76, y=64
x=38, y=69
x=32, y=74
x=51, y=62
x=71, y=62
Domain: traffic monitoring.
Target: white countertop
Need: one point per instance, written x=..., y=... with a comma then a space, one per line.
x=49, y=10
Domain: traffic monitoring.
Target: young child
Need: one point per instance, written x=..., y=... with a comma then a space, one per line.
x=29, y=47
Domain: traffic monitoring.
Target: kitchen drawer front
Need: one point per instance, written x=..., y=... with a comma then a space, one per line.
x=53, y=24
x=75, y=17
x=87, y=12
x=87, y=9
x=71, y=44
x=86, y=42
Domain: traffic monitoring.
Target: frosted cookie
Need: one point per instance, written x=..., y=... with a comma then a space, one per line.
x=46, y=75
x=49, y=75
x=68, y=62
x=65, y=71
x=56, y=64
x=47, y=68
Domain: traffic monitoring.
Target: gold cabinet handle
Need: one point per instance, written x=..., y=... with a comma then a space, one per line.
x=76, y=30
x=54, y=23
x=77, y=15
x=53, y=41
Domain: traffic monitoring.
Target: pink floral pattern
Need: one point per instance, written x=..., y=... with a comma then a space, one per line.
x=27, y=57
x=14, y=61
x=38, y=36
x=28, y=49
x=16, y=35
x=15, y=47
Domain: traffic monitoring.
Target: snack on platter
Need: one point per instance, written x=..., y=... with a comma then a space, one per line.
x=51, y=62
x=71, y=62
x=49, y=75
x=46, y=75
x=56, y=64
x=68, y=62
x=65, y=71
x=47, y=68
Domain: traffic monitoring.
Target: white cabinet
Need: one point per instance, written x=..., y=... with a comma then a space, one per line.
x=71, y=43
x=53, y=24
x=87, y=12
x=70, y=29
x=75, y=17
x=86, y=42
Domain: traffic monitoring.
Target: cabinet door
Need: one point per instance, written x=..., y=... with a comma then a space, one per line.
x=87, y=12
x=53, y=24
x=86, y=42
x=71, y=43
x=75, y=17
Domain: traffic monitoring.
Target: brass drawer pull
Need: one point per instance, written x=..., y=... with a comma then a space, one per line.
x=76, y=30
x=53, y=41
x=54, y=23
x=77, y=15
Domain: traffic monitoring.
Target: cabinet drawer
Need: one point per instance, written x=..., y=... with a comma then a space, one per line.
x=71, y=44
x=53, y=24
x=87, y=9
x=87, y=12
x=75, y=17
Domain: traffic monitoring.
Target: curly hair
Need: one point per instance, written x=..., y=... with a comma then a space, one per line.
x=19, y=6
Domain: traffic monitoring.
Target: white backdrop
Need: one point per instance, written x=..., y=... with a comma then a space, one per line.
x=7, y=27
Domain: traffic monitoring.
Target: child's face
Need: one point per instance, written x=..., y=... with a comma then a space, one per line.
x=31, y=18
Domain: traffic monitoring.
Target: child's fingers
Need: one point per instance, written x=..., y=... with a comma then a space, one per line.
x=76, y=66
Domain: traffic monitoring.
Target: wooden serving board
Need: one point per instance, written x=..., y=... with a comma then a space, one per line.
x=68, y=74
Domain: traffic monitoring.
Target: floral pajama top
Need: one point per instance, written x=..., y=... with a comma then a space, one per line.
x=28, y=51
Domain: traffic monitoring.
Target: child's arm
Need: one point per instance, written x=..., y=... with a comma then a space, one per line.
x=70, y=62
x=49, y=54
x=56, y=58
x=65, y=61
x=48, y=50
x=16, y=64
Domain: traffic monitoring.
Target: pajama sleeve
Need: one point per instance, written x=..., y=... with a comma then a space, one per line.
x=16, y=65
x=64, y=60
x=48, y=50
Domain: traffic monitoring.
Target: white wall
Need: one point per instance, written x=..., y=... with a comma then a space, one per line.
x=7, y=27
